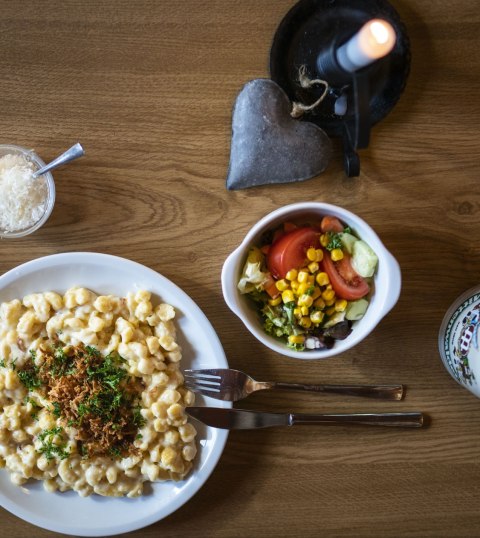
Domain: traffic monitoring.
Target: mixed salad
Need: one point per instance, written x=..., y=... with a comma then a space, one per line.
x=310, y=282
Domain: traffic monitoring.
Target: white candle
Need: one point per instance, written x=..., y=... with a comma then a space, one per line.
x=374, y=41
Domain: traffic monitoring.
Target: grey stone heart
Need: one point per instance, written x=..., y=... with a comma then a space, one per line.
x=268, y=145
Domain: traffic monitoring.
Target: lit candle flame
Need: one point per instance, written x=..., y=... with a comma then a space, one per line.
x=380, y=31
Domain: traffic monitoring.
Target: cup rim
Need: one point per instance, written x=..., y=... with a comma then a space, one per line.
x=36, y=159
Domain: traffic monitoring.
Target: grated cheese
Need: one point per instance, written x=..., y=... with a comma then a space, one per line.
x=23, y=200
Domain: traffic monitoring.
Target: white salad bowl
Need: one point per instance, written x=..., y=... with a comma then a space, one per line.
x=385, y=290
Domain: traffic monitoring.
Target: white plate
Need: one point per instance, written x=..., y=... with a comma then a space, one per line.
x=99, y=516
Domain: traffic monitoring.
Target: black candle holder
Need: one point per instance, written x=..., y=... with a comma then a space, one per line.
x=308, y=38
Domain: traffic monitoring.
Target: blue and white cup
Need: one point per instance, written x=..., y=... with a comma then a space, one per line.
x=459, y=342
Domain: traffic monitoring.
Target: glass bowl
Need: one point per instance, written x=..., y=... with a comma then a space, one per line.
x=30, y=155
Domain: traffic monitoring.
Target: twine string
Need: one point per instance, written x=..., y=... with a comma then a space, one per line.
x=298, y=109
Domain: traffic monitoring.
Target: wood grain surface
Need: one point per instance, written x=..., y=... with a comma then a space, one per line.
x=148, y=87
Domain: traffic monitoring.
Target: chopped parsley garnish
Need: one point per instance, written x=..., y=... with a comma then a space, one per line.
x=109, y=372
x=56, y=411
x=138, y=418
x=49, y=448
x=29, y=376
x=2, y=363
x=310, y=291
x=92, y=351
x=62, y=364
x=334, y=241
x=115, y=452
x=108, y=376
x=103, y=404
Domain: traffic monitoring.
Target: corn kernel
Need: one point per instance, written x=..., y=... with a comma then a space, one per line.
x=328, y=295
x=322, y=279
x=305, y=300
x=304, y=310
x=296, y=339
x=330, y=311
x=316, y=292
x=313, y=267
x=324, y=240
x=317, y=317
x=319, y=303
x=292, y=275
x=312, y=254
x=336, y=254
x=282, y=285
x=297, y=312
x=302, y=276
x=319, y=252
x=275, y=302
x=330, y=303
x=340, y=305
x=294, y=285
x=302, y=288
x=311, y=279
x=287, y=296
x=305, y=322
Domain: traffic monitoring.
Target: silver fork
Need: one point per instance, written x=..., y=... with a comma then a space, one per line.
x=233, y=385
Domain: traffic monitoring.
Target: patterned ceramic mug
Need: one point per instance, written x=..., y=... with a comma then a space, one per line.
x=458, y=340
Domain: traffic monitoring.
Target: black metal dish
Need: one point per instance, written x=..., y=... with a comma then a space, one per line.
x=317, y=27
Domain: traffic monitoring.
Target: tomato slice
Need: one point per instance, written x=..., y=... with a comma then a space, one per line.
x=346, y=282
x=289, y=251
x=331, y=224
x=289, y=226
x=270, y=288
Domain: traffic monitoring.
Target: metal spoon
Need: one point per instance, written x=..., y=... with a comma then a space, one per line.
x=73, y=153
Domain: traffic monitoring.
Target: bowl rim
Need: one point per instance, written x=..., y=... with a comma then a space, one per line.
x=51, y=193
x=385, y=302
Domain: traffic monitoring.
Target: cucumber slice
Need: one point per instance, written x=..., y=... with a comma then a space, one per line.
x=364, y=260
x=336, y=318
x=348, y=241
x=356, y=309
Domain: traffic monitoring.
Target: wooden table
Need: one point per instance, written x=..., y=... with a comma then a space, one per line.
x=148, y=88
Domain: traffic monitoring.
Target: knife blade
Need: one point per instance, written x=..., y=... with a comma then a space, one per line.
x=242, y=419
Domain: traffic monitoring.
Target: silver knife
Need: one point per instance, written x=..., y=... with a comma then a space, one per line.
x=241, y=419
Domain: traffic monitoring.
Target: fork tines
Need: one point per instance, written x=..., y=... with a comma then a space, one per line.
x=201, y=381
